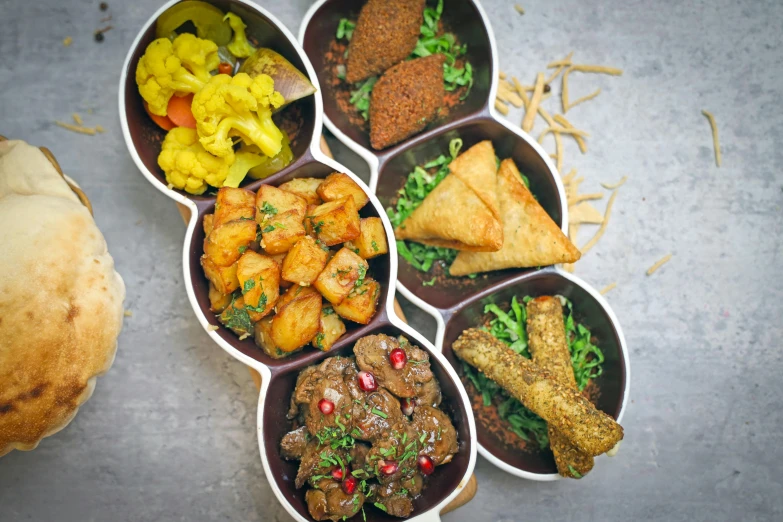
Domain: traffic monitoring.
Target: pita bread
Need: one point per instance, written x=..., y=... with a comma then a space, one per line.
x=61, y=302
x=531, y=237
x=462, y=211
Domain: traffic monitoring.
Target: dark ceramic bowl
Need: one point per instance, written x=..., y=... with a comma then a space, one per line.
x=590, y=309
x=465, y=18
x=143, y=138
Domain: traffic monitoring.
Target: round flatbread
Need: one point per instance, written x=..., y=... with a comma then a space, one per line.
x=61, y=302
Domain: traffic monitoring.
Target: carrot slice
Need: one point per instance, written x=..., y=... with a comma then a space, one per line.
x=225, y=68
x=179, y=111
x=162, y=121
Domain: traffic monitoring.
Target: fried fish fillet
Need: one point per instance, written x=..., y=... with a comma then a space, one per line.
x=549, y=347
x=590, y=430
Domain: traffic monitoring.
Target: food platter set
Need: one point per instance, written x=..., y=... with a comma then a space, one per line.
x=292, y=263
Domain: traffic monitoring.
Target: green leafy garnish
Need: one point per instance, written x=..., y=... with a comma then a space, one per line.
x=345, y=29
x=380, y=506
x=574, y=473
x=362, y=273
x=249, y=285
x=242, y=249
x=430, y=282
x=510, y=327
x=374, y=246
x=237, y=319
x=360, y=98
x=379, y=413
x=266, y=208
x=261, y=305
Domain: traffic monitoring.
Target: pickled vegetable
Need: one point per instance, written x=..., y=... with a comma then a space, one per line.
x=207, y=18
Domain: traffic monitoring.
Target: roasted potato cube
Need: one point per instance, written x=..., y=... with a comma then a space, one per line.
x=372, y=239
x=280, y=215
x=232, y=204
x=308, y=223
x=218, y=301
x=361, y=303
x=229, y=241
x=236, y=319
x=208, y=224
x=305, y=188
x=224, y=278
x=337, y=186
x=296, y=323
x=294, y=292
x=263, y=338
x=340, y=275
x=335, y=222
x=259, y=279
x=330, y=329
x=305, y=261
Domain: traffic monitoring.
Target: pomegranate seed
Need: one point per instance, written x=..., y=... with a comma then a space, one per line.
x=389, y=467
x=349, y=485
x=407, y=406
x=426, y=466
x=326, y=406
x=337, y=474
x=367, y=381
x=397, y=358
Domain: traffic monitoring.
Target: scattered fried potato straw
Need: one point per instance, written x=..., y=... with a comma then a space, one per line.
x=590, y=244
x=128, y=313
x=569, y=177
x=67, y=41
x=502, y=75
x=559, y=118
x=98, y=128
x=612, y=186
x=584, y=197
x=585, y=213
x=715, y=141
x=76, y=128
x=532, y=107
x=501, y=107
x=519, y=9
x=562, y=130
x=584, y=99
x=77, y=119
x=598, y=69
x=608, y=288
x=658, y=264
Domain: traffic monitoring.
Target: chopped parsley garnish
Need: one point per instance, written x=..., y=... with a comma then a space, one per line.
x=429, y=43
x=362, y=273
x=429, y=283
x=317, y=228
x=374, y=246
x=242, y=249
x=379, y=413
x=510, y=327
x=266, y=208
x=237, y=319
x=268, y=229
x=248, y=286
x=345, y=29
x=574, y=473
x=381, y=507
x=319, y=340
x=327, y=310
x=261, y=305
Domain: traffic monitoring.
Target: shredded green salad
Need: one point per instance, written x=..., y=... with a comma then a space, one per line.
x=429, y=43
x=510, y=327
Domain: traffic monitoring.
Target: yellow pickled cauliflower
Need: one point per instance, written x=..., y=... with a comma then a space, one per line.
x=238, y=106
x=188, y=166
x=180, y=68
x=239, y=45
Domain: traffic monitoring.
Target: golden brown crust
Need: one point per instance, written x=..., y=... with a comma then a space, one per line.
x=531, y=238
x=591, y=430
x=385, y=34
x=60, y=311
x=549, y=347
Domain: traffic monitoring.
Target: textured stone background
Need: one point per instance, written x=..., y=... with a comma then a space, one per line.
x=169, y=434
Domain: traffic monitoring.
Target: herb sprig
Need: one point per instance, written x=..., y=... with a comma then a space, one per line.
x=429, y=42
x=510, y=327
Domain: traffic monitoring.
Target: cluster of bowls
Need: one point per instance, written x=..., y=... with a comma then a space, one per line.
x=455, y=307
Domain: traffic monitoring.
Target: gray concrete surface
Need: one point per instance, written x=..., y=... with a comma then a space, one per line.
x=169, y=433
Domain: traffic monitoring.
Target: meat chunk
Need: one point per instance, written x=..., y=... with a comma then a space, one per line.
x=428, y=393
x=332, y=388
x=398, y=448
x=439, y=436
x=327, y=501
x=385, y=34
x=396, y=497
x=315, y=454
x=399, y=505
x=405, y=100
x=293, y=445
x=305, y=383
x=372, y=355
x=375, y=417
x=359, y=455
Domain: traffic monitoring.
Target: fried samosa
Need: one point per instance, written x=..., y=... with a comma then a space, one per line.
x=462, y=211
x=531, y=238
